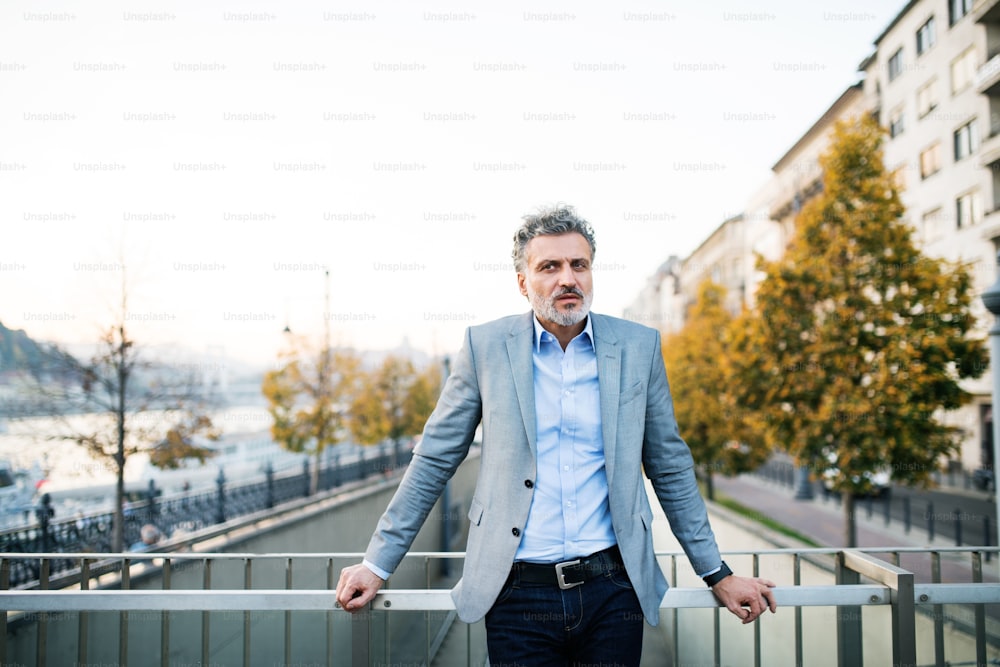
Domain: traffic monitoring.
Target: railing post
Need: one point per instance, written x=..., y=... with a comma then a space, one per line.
x=269, y=474
x=153, y=510
x=220, y=503
x=336, y=469
x=361, y=623
x=904, y=622
x=44, y=514
x=446, y=527
x=849, y=647
x=305, y=476
x=930, y=522
x=986, y=537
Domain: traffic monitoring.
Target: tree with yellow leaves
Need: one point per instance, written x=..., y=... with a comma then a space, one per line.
x=713, y=424
x=859, y=342
x=308, y=397
x=393, y=401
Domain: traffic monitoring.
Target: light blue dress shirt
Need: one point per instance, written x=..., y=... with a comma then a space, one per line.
x=570, y=515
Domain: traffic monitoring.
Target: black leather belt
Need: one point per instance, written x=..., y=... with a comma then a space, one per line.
x=570, y=573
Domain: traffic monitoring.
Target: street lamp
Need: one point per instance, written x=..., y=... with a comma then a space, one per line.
x=991, y=299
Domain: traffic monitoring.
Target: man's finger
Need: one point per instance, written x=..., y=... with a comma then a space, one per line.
x=357, y=599
x=768, y=595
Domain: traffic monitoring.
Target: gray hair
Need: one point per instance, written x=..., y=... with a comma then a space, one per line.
x=559, y=219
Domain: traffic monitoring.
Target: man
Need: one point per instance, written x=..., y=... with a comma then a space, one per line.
x=574, y=408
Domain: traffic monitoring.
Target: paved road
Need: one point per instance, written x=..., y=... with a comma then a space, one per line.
x=823, y=521
x=961, y=513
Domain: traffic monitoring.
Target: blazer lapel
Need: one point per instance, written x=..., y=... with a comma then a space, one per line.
x=519, y=353
x=609, y=370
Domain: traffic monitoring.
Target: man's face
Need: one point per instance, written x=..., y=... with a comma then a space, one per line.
x=557, y=278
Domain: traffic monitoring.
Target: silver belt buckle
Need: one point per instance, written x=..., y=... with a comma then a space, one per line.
x=561, y=577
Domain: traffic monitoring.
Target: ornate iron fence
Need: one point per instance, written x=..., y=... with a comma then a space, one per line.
x=184, y=513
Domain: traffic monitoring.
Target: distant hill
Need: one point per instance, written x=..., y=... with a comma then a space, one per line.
x=19, y=352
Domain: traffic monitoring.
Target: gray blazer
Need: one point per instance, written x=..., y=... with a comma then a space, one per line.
x=492, y=382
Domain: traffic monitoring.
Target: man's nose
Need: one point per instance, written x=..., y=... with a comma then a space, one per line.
x=567, y=276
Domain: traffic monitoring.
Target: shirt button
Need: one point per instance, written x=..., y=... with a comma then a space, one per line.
x=515, y=532
x=528, y=483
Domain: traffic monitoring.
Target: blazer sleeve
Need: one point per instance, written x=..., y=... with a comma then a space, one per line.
x=668, y=463
x=445, y=443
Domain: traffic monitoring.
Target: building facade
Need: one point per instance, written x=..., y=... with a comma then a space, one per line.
x=933, y=81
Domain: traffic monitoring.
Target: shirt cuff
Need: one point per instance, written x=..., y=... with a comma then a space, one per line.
x=376, y=570
x=710, y=572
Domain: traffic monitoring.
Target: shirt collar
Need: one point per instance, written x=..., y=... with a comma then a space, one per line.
x=541, y=334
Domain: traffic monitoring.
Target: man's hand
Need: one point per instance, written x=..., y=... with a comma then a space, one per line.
x=739, y=592
x=357, y=587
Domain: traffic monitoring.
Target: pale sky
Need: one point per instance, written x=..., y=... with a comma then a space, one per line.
x=230, y=151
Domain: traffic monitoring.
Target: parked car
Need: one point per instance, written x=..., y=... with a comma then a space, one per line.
x=983, y=480
x=880, y=480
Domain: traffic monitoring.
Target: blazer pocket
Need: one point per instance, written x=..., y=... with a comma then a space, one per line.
x=646, y=517
x=632, y=392
x=475, y=512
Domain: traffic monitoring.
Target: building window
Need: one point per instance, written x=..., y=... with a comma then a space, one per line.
x=930, y=161
x=896, y=122
x=966, y=140
x=925, y=36
x=933, y=225
x=968, y=209
x=899, y=176
x=896, y=64
x=963, y=71
x=957, y=9
x=927, y=98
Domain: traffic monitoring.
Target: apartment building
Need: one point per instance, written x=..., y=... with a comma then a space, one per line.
x=659, y=303
x=933, y=80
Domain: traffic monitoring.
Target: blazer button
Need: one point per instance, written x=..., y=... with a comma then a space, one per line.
x=528, y=483
x=516, y=532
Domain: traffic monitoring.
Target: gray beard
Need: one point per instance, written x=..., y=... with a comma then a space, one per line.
x=545, y=309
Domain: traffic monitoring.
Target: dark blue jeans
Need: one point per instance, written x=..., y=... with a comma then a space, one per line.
x=596, y=624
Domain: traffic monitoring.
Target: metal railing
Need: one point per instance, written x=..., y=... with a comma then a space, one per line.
x=906, y=508
x=171, y=609
x=185, y=513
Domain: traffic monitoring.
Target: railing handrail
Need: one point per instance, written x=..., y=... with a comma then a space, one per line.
x=894, y=589
x=390, y=600
x=200, y=555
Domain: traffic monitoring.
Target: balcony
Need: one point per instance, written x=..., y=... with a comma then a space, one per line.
x=988, y=77
x=986, y=11
x=990, y=230
x=989, y=150
x=846, y=607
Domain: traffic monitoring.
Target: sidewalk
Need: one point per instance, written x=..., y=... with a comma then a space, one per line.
x=823, y=522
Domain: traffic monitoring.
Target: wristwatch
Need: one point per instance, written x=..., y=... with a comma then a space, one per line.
x=718, y=576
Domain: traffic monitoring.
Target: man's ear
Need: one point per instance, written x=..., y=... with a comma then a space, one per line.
x=521, y=285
